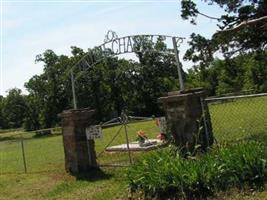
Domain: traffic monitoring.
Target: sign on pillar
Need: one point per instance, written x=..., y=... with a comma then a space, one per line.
x=94, y=132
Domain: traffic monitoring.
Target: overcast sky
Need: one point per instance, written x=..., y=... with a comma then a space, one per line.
x=29, y=28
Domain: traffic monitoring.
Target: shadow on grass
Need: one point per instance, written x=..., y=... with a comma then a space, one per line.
x=95, y=174
x=7, y=138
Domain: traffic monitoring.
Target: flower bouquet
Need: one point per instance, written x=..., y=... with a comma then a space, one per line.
x=162, y=137
x=141, y=137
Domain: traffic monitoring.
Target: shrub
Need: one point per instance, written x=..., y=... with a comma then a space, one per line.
x=161, y=175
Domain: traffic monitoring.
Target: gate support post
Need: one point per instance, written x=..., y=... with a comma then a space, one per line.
x=80, y=154
x=188, y=119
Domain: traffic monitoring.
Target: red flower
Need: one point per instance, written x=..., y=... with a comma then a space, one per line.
x=162, y=136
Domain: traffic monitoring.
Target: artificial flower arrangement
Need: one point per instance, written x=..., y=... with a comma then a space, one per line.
x=141, y=137
x=162, y=137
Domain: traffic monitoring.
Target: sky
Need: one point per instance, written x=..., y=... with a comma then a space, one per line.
x=29, y=27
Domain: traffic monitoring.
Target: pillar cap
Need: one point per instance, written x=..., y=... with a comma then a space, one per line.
x=182, y=94
x=66, y=113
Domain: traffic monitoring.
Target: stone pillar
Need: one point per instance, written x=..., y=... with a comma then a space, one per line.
x=188, y=119
x=79, y=153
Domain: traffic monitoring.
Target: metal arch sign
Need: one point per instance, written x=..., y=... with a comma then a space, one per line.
x=113, y=45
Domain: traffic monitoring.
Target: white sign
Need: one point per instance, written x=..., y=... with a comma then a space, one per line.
x=94, y=132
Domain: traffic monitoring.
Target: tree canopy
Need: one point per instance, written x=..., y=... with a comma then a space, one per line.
x=109, y=87
x=242, y=28
x=241, y=38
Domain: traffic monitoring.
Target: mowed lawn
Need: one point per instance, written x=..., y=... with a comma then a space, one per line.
x=46, y=179
x=234, y=120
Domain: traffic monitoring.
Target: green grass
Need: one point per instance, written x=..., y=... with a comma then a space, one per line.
x=41, y=154
x=45, y=165
x=242, y=118
x=149, y=127
x=47, y=154
x=46, y=178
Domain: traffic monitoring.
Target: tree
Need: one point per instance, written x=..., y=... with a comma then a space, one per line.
x=51, y=89
x=32, y=115
x=206, y=77
x=3, y=123
x=121, y=76
x=109, y=86
x=237, y=34
x=157, y=74
x=14, y=109
x=245, y=72
x=238, y=31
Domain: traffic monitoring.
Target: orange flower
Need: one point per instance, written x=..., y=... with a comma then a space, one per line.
x=141, y=133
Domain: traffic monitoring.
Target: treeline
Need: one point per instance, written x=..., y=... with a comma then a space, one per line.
x=115, y=84
x=110, y=86
x=245, y=72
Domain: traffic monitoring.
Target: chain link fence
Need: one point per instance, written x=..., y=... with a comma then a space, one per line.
x=41, y=151
x=30, y=152
x=233, y=118
x=238, y=117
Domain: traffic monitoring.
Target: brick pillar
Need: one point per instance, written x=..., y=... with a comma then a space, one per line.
x=79, y=153
x=185, y=119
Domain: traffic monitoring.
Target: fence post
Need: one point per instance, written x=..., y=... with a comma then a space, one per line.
x=23, y=153
x=124, y=121
x=205, y=121
x=127, y=139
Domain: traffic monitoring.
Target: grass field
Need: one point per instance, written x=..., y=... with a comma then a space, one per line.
x=238, y=119
x=242, y=119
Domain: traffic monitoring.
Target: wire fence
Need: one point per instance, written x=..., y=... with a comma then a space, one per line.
x=30, y=152
x=233, y=118
x=43, y=151
x=238, y=117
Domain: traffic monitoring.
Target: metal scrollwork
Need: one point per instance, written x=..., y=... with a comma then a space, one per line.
x=111, y=35
x=179, y=41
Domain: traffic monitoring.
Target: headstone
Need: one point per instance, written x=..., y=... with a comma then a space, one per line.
x=79, y=152
x=188, y=119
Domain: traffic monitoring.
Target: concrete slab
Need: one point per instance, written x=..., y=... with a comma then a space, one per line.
x=134, y=146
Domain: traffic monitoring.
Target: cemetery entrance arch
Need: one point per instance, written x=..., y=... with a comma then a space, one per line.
x=76, y=121
x=113, y=46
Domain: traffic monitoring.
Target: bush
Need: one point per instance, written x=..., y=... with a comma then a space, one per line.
x=160, y=175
